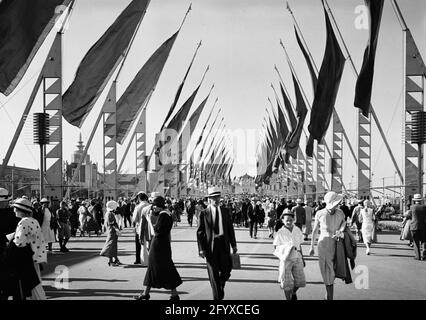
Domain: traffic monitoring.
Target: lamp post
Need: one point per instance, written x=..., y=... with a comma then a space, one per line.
x=41, y=137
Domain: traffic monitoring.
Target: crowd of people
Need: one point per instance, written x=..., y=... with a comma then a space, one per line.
x=30, y=227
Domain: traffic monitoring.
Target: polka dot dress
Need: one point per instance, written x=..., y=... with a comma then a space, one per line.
x=28, y=231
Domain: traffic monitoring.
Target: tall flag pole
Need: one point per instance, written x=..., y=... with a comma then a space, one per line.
x=364, y=170
x=414, y=88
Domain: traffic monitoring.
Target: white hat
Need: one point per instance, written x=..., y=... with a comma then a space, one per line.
x=155, y=194
x=111, y=205
x=44, y=200
x=4, y=195
x=214, y=192
x=417, y=197
x=299, y=201
x=23, y=205
x=332, y=199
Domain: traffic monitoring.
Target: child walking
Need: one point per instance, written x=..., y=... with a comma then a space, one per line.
x=288, y=249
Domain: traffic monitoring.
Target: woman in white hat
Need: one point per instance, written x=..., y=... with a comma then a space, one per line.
x=366, y=219
x=331, y=222
x=28, y=235
x=110, y=248
x=47, y=227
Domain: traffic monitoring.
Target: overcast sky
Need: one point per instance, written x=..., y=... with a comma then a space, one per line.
x=241, y=44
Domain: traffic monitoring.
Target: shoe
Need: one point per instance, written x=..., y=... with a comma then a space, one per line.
x=143, y=296
x=63, y=250
x=117, y=262
x=294, y=297
x=137, y=262
x=113, y=264
x=174, y=298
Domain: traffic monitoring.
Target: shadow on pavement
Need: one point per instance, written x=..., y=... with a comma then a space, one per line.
x=87, y=279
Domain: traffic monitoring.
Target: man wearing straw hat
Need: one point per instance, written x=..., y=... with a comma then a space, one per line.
x=417, y=214
x=215, y=236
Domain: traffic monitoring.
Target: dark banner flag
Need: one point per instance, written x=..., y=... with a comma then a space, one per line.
x=24, y=25
x=326, y=91
x=301, y=111
x=364, y=82
x=308, y=62
x=289, y=109
x=100, y=62
x=128, y=106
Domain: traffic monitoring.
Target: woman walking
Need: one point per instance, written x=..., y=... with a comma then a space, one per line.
x=49, y=221
x=366, y=218
x=110, y=248
x=27, y=250
x=161, y=272
x=82, y=218
x=272, y=217
x=331, y=222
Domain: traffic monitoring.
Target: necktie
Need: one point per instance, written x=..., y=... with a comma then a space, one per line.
x=216, y=222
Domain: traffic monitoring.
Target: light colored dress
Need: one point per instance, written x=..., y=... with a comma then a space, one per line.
x=48, y=234
x=110, y=248
x=307, y=229
x=82, y=218
x=28, y=231
x=367, y=228
x=328, y=225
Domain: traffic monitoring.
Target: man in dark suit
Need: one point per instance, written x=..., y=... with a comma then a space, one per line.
x=215, y=236
x=418, y=227
x=253, y=214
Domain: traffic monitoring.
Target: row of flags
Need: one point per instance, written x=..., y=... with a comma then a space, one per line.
x=326, y=87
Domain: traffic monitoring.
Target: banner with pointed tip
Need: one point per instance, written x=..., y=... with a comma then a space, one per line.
x=364, y=82
x=128, y=106
x=24, y=25
x=327, y=87
x=100, y=62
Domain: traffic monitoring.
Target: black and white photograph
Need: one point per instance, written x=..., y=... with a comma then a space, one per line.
x=224, y=152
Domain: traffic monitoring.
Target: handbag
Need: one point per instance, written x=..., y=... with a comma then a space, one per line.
x=236, y=262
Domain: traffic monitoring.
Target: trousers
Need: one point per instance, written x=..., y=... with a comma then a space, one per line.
x=253, y=228
x=219, y=266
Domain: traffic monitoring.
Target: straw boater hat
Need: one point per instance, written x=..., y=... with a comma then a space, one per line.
x=299, y=201
x=44, y=200
x=23, y=205
x=4, y=195
x=213, y=192
x=332, y=199
x=417, y=197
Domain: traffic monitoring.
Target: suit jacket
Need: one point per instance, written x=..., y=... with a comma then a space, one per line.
x=254, y=214
x=205, y=233
x=418, y=217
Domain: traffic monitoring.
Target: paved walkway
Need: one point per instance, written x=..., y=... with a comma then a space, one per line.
x=389, y=273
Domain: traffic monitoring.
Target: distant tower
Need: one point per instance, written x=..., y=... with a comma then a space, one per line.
x=79, y=153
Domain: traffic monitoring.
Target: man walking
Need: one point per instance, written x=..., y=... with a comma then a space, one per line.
x=417, y=214
x=215, y=235
x=299, y=213
x=142, y=200
x=253, y=214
